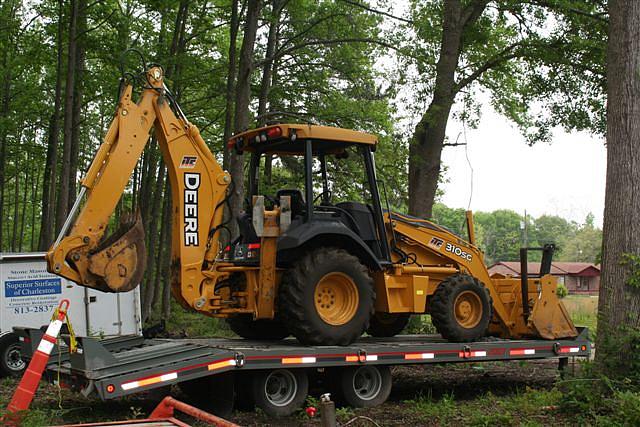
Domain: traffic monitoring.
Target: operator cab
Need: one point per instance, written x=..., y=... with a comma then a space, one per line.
x=313, y=164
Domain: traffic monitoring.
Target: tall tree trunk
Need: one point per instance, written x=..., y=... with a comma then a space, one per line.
x=243, y=96
x=77, y=99
x=16, y=202
x=165, y=260
x=619, y=303
x=4, y=113
x=154, y=249
x=63, y=196
x=268, y=75
x=35, y=207
x=425, y=149
x=49, y=179
x=234, y=24
x=27, y=186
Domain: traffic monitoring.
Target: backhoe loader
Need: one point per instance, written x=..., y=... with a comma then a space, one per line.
x=308, y=261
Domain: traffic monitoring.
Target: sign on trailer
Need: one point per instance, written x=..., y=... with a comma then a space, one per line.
x=29, y=294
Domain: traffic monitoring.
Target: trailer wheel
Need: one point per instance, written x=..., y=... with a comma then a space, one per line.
x=365, y=386
x=280, y=392
x=215, y=392
x=461, y=308
x=326, y=298
x=11, y=363
x=387, y=324
x=264, y=329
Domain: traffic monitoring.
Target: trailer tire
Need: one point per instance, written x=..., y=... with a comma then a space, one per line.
x=387, y=324
x=244, y=326
x=326, y=298
x=280, y=392
x=11, y=363
x=461, y=308
x=215, y=393
x=365, y=386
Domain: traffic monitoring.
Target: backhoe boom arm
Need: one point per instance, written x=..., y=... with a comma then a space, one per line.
x=198, y=189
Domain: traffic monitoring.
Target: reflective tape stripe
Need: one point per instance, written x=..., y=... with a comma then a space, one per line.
x=45, y=347
x=148, y=381
x=569, y=349
x=477, y=353
x=522, y=351
x=54, y=328
x=297, y=360
x=222, y=364
x=372, y=357
x=419, y=356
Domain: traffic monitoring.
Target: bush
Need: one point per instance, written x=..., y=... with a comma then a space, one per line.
x=562, y=290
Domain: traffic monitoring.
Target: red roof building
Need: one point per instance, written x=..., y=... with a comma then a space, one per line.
x=578, y=277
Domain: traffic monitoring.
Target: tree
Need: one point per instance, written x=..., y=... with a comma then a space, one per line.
x=515, y=52
x=583, y=245
x=619, y=303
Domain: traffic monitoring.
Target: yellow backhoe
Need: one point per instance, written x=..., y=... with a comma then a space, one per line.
x=309, y=262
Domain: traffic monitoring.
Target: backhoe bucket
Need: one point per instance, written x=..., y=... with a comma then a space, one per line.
x=549, y=317
x=121, y=259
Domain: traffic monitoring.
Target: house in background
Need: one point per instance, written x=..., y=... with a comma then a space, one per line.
x=578, y=277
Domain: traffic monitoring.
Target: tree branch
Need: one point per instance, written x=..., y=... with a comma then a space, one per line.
x=379, y=12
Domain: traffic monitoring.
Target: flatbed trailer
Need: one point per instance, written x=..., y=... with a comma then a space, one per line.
x=117, y=367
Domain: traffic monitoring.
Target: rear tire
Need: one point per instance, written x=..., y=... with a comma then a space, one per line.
x=387, y=324
x=365, y=386
x=461, y=308
x=244, y=326
x=11, y=363
x=214, y=393
x=326, y=298
x=280, y=392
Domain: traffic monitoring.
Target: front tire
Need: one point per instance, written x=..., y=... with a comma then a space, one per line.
x=461, y=308
x=326, y=298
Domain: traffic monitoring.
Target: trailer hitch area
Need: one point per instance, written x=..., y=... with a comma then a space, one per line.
x=120, y=260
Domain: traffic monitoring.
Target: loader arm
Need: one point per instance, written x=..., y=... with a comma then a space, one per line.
x=198, y=189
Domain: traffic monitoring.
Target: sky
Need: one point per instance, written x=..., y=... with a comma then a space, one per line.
x=565, y=177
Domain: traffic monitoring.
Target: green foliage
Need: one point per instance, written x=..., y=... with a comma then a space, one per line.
x=632, y=262
x=562, y=290
x=420, y=325
x=499, y=234
x=545, y=55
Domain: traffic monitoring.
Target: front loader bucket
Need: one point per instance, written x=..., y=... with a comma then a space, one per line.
x=120, y=260
x=549, y=317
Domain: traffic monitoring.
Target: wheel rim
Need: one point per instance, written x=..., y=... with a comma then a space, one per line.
x=336, y=298
x=281, y=387
x=14, y=358
x=468, y=309
x=367, y=382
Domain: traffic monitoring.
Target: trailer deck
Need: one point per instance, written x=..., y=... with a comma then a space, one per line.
x=121, y=366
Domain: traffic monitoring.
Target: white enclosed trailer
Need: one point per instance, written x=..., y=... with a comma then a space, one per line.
x=29, y=294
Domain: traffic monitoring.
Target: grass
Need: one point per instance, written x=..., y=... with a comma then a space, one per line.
x=529, y=407
x=583, y=310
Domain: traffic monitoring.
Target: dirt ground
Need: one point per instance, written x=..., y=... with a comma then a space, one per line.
x=421, y=395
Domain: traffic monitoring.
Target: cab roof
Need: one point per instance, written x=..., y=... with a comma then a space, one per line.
x=289, y=139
